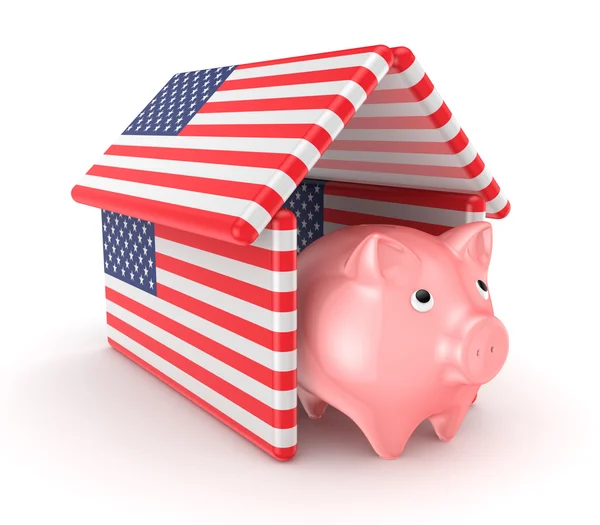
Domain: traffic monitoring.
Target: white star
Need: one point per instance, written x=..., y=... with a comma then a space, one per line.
x=310, y=215
x=317, y=207
x=141, y=259
x=146, y=271
x=150, y=263
x=304, y=186
x=310, y=197
x=141, y=280
x=145, y=251
x=106, y=264
x=303, y=242
x=135, y=267
x=317, y=226
x=316, y=188
x=310, y=234
x=151, y=284
x=304, y=205
x=131, y=275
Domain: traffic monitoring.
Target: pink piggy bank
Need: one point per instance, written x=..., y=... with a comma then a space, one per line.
x=396, y=326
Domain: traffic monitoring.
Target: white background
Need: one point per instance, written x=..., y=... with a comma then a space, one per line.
x=88, y=437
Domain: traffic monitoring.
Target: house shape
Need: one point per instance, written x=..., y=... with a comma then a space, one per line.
x=206, y=203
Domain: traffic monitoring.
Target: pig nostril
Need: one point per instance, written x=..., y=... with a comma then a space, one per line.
x=492, y=349
x=478, y=352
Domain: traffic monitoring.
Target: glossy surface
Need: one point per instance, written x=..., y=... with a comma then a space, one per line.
x=367, y=348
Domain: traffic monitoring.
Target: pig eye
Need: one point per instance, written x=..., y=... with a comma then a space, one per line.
x=482, y=289
x=422, y=301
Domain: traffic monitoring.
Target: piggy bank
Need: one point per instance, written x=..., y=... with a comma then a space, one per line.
x=396, y=326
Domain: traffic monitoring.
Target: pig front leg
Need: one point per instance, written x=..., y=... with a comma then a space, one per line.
x=447, y=423
x=314, y=407
x=387, y=435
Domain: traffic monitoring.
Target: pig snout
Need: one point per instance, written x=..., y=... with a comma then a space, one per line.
x=484, y=351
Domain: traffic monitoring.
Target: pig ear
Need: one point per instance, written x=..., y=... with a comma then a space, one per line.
x=472, y=240
x=381, y=258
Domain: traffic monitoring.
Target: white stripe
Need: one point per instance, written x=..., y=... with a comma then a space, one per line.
x=443, y=134
x=329, y=227
x=274, y=321
x=372, y=61
x=347, y=88
x=277, y=240
x=281, y=438
x=404, y=80
x=423, y=108
x=301, y=148
x=457, y=160
x=277, y=399
x=275, y=179
x=277, y=361
x=323, y=117
x=267, y=279
x=406, y=181
x=408, y=212
x=250, y=211
x=497, y=203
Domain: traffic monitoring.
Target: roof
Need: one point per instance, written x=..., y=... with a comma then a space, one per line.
x=217, y=152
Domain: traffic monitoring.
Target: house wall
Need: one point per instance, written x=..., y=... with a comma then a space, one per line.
x=215, y=321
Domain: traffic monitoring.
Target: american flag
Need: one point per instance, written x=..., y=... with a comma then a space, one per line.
x=321, y=207
x=213, y=320
x=405, y=135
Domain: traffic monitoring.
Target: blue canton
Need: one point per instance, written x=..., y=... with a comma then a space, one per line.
x=307, y=203
x=178, y=102
x=129, y=252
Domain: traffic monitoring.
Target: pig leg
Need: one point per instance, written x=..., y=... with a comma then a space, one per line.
x=387, y=435
x=315, y=407
x=447, y=423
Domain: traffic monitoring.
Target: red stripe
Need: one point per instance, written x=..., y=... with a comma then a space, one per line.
x=283, y=220
x=282, y=454
x=403, y=59
x=500, y=214
x=313, y=133
x=361, y=75
x=340, y=105
x=276, y=341
x=468, y=172
x=420, y=91
x=240, y=190
x=261, y=257
x=215, y=225
x=271, y=416
x=384, y=51
x=274, y=301
x=266, y=376
x=349, y=218
x=453, y=146
x=436, y=120
x=415, y=197
x=491, y=191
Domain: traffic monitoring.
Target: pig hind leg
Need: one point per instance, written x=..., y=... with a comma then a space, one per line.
x=314, y=407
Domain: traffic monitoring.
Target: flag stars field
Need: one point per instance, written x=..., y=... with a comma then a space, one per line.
x=130, y=262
